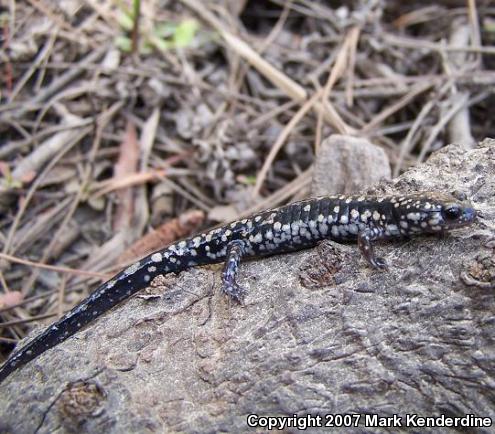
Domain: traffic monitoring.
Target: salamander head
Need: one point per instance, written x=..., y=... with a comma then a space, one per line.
x=435, y=212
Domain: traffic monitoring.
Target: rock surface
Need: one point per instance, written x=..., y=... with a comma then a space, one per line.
x=320, y=333
x=347, y=164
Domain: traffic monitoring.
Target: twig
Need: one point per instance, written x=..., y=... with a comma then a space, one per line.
x=282, y=137
x=135, y=27
x=413, y=93
x=46, y=150
x=475, y=27
x=26, y=301
x=61, y=295
x=337, y=71
x=278, y=78
x=104, y=187
x=81, y=37
x=406, y=144
x=353, y=42
x=75, y=202
x=27, y=320
x=185, y=193
x=5, y=28
x=57, y=84
x=459, y=128
x=456, y=106
x=34, y=186
x=420, y=44
x=54, y=267
x=302, y=181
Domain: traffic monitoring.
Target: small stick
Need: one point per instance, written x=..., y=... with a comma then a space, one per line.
x=54, y=267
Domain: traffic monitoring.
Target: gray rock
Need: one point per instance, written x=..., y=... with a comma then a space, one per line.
x=346, y=164
x=320, y=333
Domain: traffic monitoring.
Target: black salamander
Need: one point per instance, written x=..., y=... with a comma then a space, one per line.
x=286, y=229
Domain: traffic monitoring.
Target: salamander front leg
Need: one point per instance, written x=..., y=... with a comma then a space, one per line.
x=365, y=239
x=235, y=250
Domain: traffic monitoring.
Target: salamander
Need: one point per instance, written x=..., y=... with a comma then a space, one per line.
x=292, y=227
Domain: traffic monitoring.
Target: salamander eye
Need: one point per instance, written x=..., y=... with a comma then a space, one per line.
x=452, y=212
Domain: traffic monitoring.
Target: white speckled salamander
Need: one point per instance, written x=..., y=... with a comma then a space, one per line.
x=292, y=227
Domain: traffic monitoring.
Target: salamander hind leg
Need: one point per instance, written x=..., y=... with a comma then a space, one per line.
x=365, y=240
x=235, y=251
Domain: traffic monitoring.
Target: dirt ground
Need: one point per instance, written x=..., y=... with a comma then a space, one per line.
x=126, y=125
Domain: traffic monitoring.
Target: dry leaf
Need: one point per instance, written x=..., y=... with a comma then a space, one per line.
x=164, y=235
x=10, y=299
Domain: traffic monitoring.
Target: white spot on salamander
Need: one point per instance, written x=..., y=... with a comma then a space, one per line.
x=258, y=238
x=414, y=216
x=353, y=229
x=365, y=215
x=156, y=257
x=433, y=221
x=132, y=269
x=307, y=208
x=151, y=269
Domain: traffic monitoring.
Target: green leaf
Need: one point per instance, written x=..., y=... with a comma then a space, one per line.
x=126, y=21
x=185, y=32
x=249, y=179
x=159, y=43
x=164, y=30
x=123, y=43
x=489, y=26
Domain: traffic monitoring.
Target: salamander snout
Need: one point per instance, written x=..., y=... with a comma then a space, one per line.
x=457, y=215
